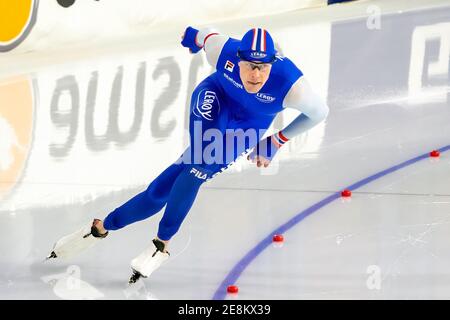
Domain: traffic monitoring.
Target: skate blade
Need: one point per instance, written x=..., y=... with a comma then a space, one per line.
x=135, y=277
x=52, y=255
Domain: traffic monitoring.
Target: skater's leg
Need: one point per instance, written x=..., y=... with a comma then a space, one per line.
x=146, y=203
x=181, y=199
x=141, y=206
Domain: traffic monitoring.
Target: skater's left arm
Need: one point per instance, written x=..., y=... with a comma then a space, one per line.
x=208, y=39
x=313, y=111
x=313, y=108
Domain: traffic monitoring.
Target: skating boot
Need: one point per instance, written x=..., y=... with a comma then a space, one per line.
x=76, y=242
x=148, y=261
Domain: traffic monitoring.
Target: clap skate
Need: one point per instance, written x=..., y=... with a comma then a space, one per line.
x=148, y=261
x=76, y=242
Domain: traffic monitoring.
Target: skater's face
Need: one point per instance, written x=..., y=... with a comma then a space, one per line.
x=254, y=75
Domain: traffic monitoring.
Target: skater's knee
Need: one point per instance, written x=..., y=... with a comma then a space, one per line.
x=111, y=223
x=157, y=195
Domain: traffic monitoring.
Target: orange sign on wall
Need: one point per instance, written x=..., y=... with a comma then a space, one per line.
x=17, y=18
x=16, y=130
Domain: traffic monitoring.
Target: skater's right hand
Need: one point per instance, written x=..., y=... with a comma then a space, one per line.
x=266, y=149
x=189, y=40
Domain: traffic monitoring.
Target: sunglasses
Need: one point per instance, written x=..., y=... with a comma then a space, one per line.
x=252, y=65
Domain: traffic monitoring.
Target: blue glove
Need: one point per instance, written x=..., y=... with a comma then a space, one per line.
x=190, y=40
x=266, y=149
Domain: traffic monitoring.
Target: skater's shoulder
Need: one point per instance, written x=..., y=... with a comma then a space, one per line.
x=285, y=65
x=285, y=71
x=231, y=47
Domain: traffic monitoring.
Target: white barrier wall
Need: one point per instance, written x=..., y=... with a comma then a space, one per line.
x=93, y=21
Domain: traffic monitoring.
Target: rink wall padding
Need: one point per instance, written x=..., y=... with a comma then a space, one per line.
x=33, y=25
